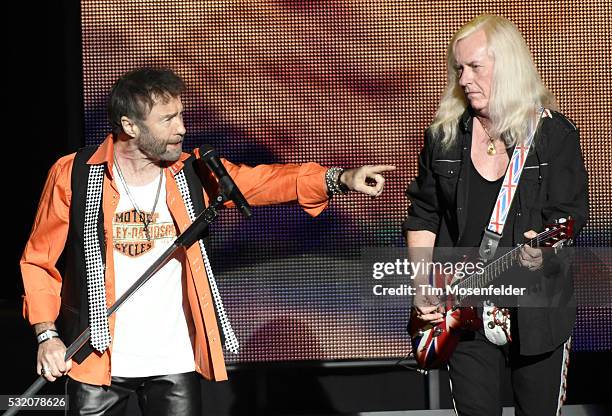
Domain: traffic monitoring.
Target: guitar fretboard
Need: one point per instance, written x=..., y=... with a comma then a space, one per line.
x=500, y=265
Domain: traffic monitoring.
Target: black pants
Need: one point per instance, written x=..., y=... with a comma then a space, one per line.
x=477, y=369
x=174, y=394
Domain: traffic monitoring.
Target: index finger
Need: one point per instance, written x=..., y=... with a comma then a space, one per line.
x=383, y=168
x=530, y=234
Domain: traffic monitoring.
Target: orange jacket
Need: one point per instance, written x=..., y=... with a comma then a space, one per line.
x=261, y=185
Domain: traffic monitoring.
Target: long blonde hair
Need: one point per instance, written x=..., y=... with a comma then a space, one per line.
x=517, y=90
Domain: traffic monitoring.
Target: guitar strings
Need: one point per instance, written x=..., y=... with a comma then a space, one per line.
x=544, y=235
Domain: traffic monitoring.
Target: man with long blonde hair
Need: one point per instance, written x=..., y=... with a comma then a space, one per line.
x=508, y=106
x=494, y=101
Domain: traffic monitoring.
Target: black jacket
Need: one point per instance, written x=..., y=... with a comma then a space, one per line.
x=553, y=185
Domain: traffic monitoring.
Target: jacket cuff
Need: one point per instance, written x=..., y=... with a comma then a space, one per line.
x=418, y=224
x=311, y=188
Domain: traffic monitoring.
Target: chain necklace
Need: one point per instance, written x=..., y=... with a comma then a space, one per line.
x=491, y=151
x=143, y=216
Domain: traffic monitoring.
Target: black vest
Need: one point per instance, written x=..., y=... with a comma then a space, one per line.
x=74, y=314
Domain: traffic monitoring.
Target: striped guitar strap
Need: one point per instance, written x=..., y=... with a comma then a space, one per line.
x=496, y=320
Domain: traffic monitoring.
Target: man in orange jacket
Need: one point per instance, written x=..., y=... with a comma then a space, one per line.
x=112, y=210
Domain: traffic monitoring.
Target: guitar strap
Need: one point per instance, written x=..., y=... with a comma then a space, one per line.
x=494, y=229
x=496, y=320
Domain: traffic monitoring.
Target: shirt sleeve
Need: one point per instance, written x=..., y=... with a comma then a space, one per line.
x=282, y=183
x=567, y=192
x=423, y=207
x=276, y=184
x=42, y=281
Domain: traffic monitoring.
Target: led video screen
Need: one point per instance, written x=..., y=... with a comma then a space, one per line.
x=342, y=83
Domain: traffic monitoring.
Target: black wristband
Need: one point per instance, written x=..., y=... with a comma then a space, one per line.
x=332, y=179
x=343, y=188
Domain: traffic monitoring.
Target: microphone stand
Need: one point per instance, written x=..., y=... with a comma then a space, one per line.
x=186, y=239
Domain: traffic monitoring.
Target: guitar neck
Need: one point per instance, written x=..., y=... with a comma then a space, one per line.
x=499, y=266
x=491, y=271
x=558, y=233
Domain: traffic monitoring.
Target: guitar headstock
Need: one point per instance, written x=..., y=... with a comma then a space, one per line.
x=557, y=235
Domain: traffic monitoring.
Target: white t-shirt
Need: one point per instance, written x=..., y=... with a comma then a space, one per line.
x=154, y=328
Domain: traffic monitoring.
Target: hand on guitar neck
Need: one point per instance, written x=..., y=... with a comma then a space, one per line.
x=531, y=257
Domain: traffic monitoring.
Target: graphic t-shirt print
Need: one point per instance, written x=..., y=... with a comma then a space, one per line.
x=129, y=232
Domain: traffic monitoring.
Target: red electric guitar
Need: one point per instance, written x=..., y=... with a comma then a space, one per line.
x=432, y=345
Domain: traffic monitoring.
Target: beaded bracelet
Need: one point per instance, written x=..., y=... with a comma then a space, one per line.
x=334, y=185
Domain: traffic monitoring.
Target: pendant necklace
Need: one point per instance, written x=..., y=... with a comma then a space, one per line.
x=143, y=216
x=491, y=147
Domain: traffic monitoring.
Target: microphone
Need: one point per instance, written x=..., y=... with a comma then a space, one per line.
x=227, y=184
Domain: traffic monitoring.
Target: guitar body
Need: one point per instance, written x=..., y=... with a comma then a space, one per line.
x=432, y=345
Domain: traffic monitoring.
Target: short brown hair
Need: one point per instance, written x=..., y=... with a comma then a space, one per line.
x=134, y=94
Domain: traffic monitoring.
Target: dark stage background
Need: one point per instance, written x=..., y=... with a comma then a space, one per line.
x=342, y=83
